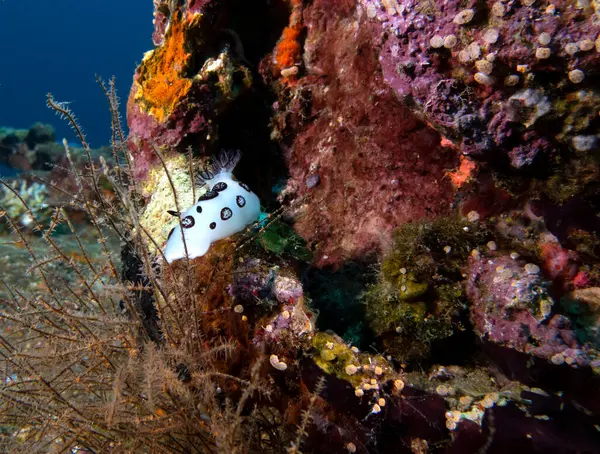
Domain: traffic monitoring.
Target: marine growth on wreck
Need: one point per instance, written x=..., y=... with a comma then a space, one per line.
x=401, y=255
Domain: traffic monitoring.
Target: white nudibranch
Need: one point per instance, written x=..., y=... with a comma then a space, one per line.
x=226, y=208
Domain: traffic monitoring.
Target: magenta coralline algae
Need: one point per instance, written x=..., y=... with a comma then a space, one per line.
x=364, y=163
x=460, y=63
x=511, y=307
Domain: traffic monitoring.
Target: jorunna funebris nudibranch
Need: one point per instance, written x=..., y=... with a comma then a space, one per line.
x=226, y=208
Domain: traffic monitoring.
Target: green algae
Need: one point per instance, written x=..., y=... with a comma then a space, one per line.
x=430, y=248
x=281, y=239
x=419, y=298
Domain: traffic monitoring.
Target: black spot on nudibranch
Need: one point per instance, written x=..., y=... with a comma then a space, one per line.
x=241, y=202
x=245, y=186
x=188, y=222
x=198, y=209
x=170, y=233
x=213, y=225
x=220, y=186
x=209, y=195
x=173, y=212
x=226, y=213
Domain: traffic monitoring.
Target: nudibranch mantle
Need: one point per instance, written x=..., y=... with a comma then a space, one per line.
x=225, y=209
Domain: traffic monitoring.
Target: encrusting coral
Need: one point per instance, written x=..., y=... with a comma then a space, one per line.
x=162, y=82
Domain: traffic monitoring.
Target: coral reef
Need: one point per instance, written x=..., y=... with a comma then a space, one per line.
x=424, y=277
x=36, y=149
x=34, y=166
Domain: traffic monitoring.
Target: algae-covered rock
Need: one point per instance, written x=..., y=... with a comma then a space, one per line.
x=418, y=298
x=347, y=363
x=155, y=219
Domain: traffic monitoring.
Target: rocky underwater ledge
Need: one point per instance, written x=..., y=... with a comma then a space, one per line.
x=425, y=277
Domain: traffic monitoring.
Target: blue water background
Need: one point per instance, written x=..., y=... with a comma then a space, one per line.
x=58, y=46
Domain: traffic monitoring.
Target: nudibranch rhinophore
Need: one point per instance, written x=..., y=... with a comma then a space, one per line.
x=226, y=208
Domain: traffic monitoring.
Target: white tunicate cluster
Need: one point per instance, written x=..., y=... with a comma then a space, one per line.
x=444, y=390
x=436, y=41
x=464, y=56
x=288, y=72
x=489, y=400
x=464, y=17
x=491, y=35
x=474, y=50
x=576, y=76
x=473, y=216
x=34, y=194
x=484, y=67
x=542, y=53
x=511, y=80
x=585, y=45
x=371, y=11
x=498, y=9
x=483, y=79
x=351, y=369
x=450, y=41
x=279, y=365
x=544, y=38
x=584, y=143
x=452, y=419
x=390, y=6
x=571, y=48
x=531, y=268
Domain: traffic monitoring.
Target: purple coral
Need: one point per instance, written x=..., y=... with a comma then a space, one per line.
x=451, y=58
